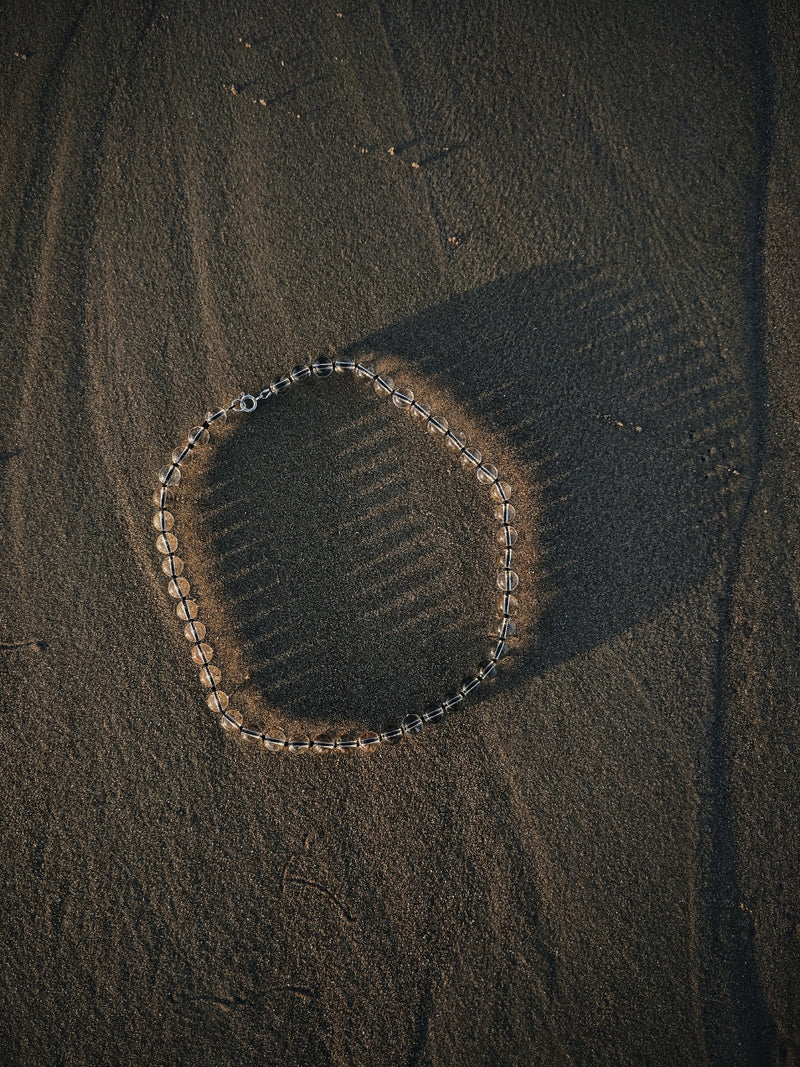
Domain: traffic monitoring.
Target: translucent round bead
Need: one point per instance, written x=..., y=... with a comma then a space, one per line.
x=274, y=741
x=249, y=733
x=340, y=365
x=172, y=566
x=194, y=630
x=451, y=702
x=506, y=629
x=346, y=744
x=508, y=559
x=230, y=720
x=411, y=724
x=324, y=742
x=383, y=386
x=299, y=372
x=486, y=473
x=163, y=496
x=420, y=411
x=198, y=435
x=507, y=605
x=201, y=654
x=500, y=650
x=170, y=475
x=456, y=441
x=278, y=385
x=181, y=454
x=322, y=366
x=220, y=416
x=394, y=733
x=436, y=424
x=163, y=521
x=505, y=513
x=369, y=740
x=167, y=542
x=178, y=588
x=217, y=701
x=507, y=536
x=210, y=676
x=488, y=672
x=507, y=580
x=187, y=609
x=298, y=743
x=365, y=370
x=501, y=490
x=434, y=715
x=402, y=398
x=471, y=457
x=470, y=686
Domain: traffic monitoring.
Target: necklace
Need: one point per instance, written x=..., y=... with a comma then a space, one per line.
x=187, y=609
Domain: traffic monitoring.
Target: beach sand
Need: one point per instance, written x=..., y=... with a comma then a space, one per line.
x=573, y=230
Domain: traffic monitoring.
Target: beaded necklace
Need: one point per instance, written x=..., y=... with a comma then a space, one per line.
x=187, y=609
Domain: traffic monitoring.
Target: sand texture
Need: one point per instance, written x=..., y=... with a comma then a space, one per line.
x=573, y=229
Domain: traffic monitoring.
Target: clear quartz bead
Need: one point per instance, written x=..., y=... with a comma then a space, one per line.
x=299, y=372
x=369, y=740
x=217, y=701
x=394, y=733
x=163, y=521
x=220, y=417
x=322, y=367
x=249, y=733
x=170, y=475
x=324, y=742
x=178, y=588
x=506, y=629
x=210, y=676
x=365, y=371
x=455, y=441
x=166, y=543
x=434, y=715
x=383, y=386
x=469, y=686
x=508, y=559
x=507, y=536
x=501, y=490
x=346, y=744
x=198, y=435
x=505, y=513
x=411, y=724
x=488, y=671
x=436, y=424
x=163, y=496
x=172, y=566
x=278, y=385
x=298, y=743
x=231, y=720
x=340, y=365
x=507, y=580
x=274, y=740
x=181, y=454
x=507, y=605
x=402, y=398
x=202, y=654
x=194, y=630
x=486, y=473
x=186, y=610
x=471, y=457
x=451, y=702
x=420, y=411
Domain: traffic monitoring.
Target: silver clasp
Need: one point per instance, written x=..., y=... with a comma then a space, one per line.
x=246, y=402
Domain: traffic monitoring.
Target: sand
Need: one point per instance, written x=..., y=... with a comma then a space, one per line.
x=573, y=229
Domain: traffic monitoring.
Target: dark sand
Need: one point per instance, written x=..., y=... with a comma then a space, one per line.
x=565, y=224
